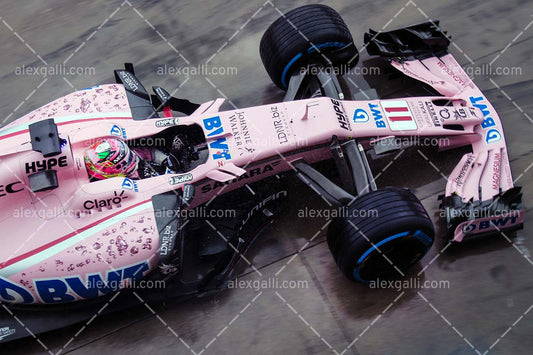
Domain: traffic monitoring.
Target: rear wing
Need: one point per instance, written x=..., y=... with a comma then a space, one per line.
x=480, y=196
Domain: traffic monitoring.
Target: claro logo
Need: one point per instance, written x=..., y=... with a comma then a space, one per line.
x=99, y=204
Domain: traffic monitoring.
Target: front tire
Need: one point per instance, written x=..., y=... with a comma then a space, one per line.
x=383, y=233
x=303, y=35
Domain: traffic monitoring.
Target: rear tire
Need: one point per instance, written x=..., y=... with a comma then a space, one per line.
x=306, y=34
x=398, y=229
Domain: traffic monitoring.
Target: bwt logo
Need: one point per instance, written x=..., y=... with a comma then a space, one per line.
x=129, y=184
x=378, y=117
x=214, y=127
x=493, y=223
x=70, y=288
x=119, y=132
x=493, y=135
x=360, y=116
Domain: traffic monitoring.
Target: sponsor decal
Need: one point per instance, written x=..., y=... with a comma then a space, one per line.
x=68, y=289
x=130, y=184
x=163, y=95
x=341, y=116
x=464, y=169
x=118, y=158
x=5, y=332
x=398, y=115
x=175, y=180
x=279, y=125
x=129, y=80
x=360, y=116
x=11, y=188
x=221, y=149
x=458, y=113
x=496, y=164
x=453, y=75
x=240, y=131
x=166, y=242
x=213, y=125
x=431, y=110
x=425, y=114
x=473, y=111
x=244, y=150
x=119, y=132
x=109, y=203
x=168, y=269
x=467, y=228
x=261, y=204
x=493, y=135
x=167, y=122
x=412, y=74
x=490, y=223
x=445, y=113
x=376, y=114
x=46, y=164
x=270, y=167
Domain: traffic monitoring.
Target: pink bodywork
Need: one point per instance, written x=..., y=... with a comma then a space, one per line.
x=86, y=230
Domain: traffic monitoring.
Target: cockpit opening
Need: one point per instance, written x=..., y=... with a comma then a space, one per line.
x=175, y=150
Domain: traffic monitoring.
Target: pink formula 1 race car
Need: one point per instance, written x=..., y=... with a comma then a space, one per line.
x=74, y=236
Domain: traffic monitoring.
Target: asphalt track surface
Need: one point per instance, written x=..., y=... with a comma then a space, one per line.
x=487, y=303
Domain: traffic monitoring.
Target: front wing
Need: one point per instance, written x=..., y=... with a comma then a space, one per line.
x=480, y=196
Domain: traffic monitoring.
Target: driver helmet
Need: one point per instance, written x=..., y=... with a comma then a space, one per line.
x=110, y=157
